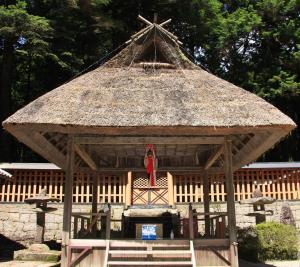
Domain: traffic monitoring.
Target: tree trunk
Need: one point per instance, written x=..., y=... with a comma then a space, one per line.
x=5, y=96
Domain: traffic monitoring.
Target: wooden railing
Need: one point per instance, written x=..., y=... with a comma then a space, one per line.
x=277, y=183
x=89, y=225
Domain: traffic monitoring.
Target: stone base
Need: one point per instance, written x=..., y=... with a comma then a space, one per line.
x=28, y=255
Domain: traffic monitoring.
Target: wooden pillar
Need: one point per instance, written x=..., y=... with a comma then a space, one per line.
x=191, y=221
x=95, y=202
x=170, y=189
x=206, y=203
x=68, y=200
x=107, y=223
x=230, y=202
x=128, y=189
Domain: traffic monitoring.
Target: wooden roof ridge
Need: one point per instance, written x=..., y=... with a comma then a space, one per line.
x=152, y=47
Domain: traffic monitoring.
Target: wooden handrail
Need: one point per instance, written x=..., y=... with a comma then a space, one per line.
x=89, y=214
x=211, y=213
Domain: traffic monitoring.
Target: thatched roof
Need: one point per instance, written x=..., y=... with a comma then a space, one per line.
x=151, y=87
x=135, y=97
x=124, y=92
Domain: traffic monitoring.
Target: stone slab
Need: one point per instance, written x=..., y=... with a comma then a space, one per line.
x=28, y=255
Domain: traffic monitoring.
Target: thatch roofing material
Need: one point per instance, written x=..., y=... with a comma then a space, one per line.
x=135, y=97
x=149, y=88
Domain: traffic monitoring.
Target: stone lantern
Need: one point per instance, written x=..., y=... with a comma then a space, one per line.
x=259, y=201
x=41, y=209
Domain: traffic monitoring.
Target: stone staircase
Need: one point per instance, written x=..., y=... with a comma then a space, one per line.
x=150, y=253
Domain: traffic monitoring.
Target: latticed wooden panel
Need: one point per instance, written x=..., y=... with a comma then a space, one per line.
x=28, y=183
x=276, y=183
x=188, y=189
x=142, y=194
x=150, y=196
x=162, y=182
x=143, y=182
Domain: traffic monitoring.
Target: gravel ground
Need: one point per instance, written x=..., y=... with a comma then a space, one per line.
x=285, y=263
x=271, y=264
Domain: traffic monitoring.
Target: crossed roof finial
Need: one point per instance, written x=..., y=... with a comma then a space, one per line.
x=154, y=21
x=150, y=25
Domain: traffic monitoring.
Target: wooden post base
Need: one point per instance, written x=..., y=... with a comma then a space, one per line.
x=234, y=259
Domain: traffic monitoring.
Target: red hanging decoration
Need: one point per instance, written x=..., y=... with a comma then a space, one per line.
x=150, y=163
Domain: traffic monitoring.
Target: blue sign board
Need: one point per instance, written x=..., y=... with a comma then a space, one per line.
x=149, y=232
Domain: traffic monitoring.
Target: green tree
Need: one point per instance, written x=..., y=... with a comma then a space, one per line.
x=17, y=27
x=254, y=44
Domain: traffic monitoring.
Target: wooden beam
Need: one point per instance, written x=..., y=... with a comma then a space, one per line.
x=259, y=144
x=230, y=202
x=42, y=146
x=170, y=188
x=145, y=20
x=230, y=190
x=144, y=140
x=144, y=131
x=213, y=157
x=165, y=22
x=169, y=34
x=140, y=32
x=191, y=221
x=206, y=203
x=49, y=150
x=216, y=242
x=107, y=223
x=161, y=169
x=128, y=189
x=85, y=157
x=95, y=202
x=68, y=200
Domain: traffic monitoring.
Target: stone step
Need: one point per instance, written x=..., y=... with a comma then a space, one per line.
x=141, y=252
x=155, y=243
x=154, y=263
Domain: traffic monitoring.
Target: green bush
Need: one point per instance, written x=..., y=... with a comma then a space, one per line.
x=268, y=241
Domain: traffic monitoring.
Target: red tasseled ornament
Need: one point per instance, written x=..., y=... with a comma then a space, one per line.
x=150, y=162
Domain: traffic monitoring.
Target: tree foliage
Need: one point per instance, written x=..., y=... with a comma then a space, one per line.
x=253, y=44
x=268, y=241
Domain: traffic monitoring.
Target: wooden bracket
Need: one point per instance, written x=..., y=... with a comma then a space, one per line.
x=85, y=157
x=85, y=249
x=213, y=157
